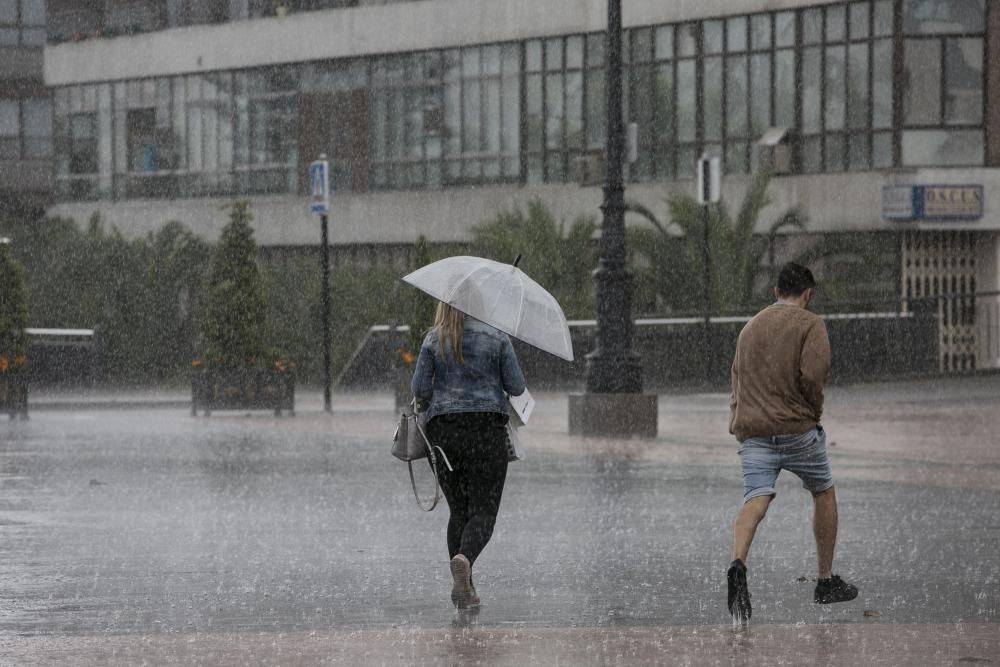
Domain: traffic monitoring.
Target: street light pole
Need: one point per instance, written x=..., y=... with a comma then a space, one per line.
x=707, y=294
x=613, y=404
x=709, y=191
x=325, y=262
x=613, y=368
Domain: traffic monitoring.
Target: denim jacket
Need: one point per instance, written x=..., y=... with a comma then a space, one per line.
x=478, y=385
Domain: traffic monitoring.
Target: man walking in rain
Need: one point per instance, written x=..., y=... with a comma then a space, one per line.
x=781, y=364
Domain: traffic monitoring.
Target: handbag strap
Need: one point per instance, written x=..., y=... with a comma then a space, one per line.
x=433, y=461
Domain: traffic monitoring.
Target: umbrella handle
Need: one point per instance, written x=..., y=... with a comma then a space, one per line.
x=517, y=260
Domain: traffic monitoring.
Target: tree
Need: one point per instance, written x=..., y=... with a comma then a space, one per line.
x=558, y=259
x=171, y=282
x=13, y=311
x=233, y=319
x=671, y=275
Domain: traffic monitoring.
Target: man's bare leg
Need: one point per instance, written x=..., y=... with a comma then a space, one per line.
x=825, y=530
x=745, y=526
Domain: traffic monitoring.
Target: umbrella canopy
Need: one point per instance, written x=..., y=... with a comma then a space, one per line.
x=501, y=295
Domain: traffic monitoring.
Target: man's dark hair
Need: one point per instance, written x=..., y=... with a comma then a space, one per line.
x=794, y=279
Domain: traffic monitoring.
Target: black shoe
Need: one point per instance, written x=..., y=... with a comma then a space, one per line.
x=739, y=595
x=834, y=589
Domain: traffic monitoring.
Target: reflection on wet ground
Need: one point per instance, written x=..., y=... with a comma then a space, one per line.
x=846, y=645
x=150, y=536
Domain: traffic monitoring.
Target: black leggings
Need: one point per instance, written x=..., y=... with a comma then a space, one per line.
x=476, y=445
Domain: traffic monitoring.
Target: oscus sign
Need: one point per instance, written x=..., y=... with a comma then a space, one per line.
x=932, y=202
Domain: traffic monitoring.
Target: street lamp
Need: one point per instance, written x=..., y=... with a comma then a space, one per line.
x=613, y=403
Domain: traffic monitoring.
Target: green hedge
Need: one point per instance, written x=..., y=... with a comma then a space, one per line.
x=13, y=312
x=158, y=305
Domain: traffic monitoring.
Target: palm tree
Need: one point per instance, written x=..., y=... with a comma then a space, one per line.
x=668, y=260
x=557, y=258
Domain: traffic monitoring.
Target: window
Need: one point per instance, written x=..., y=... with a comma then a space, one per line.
x=943, y=16
x=737, y=126
x=141, y=126
x=25, y=129
x=335, y=117
x=686, y=86
x=563, y=121
x=596, y=114
x=10, y=130
x=266, y=137
x=943, y=56
x=37, y=114
x=146, y=144
x=22, y=22
x=83, y=143
x=406, y=121
x=650, y=97
x=657, y=140
x=82, y=137
x=847, y=100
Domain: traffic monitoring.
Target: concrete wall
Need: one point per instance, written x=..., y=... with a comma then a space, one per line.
x=340, y=33
x=834, y=203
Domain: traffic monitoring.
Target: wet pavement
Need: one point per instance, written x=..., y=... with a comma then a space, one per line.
x=147, y=536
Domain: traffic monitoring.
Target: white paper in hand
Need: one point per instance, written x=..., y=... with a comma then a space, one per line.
x=523, y=405
x=520, y=412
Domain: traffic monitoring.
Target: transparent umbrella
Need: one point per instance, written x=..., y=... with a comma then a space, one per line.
x=501, y=295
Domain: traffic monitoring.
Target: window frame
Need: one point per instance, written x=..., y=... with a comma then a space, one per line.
x=20, y=27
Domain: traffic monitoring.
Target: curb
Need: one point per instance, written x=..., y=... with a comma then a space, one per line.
x=54, y=406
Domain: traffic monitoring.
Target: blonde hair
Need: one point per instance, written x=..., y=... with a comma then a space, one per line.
x=450, y=324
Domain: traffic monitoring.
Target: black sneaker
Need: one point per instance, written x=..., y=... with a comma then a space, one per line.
x=834, y=589
x=739, y=595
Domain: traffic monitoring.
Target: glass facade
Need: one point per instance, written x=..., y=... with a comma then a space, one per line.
x=522, y=112
x=22, y=23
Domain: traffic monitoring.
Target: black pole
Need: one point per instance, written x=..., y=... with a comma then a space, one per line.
x=613, y=368
x=324, y=254
x=707, y=294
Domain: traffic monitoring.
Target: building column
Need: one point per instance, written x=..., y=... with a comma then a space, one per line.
x=993, y=83
x=988, y=301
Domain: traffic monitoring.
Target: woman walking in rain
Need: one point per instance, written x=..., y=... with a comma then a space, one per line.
x=464, y=372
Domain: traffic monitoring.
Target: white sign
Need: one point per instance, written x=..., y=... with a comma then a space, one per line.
x=709, y=180
x=319, y=187
x=632, y=144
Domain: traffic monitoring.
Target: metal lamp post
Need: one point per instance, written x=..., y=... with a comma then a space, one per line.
x=613, y=403
x=319, y=186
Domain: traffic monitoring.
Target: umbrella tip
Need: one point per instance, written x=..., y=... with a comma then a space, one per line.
x=517, y=260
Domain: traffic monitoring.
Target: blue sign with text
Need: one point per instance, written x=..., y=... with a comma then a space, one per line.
x=932, y=202
x=319, y=187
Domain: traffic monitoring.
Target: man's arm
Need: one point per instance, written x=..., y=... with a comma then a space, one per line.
x=734, y=380
x=814, y=365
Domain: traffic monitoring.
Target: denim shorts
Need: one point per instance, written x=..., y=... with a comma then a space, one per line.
x=803, y=454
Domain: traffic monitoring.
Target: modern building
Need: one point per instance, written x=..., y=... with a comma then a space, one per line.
x=882, y=116
x=25, y=110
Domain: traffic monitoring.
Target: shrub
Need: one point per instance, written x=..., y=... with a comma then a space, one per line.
x=13, y=312
x=232, y=324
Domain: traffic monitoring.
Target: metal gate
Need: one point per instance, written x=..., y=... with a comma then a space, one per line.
x=939, y=268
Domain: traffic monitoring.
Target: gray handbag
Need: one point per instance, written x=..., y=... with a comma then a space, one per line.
x=410, y=444
x=410, y=441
